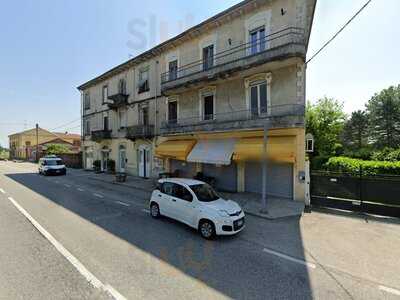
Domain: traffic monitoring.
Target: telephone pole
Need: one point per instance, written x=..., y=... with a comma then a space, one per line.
x=37, y=142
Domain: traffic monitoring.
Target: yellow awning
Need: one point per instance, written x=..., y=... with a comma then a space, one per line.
x=278, y=148
x=175, y=149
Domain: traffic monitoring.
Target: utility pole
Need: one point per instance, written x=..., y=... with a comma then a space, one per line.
x=264, y=199
x=37, y=142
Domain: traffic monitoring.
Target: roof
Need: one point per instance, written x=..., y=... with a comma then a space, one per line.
x=157, y=49
x=186, y=181
x=68, y=135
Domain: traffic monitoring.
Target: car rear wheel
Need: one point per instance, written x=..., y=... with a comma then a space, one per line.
x=207, y=229
x=155, y=210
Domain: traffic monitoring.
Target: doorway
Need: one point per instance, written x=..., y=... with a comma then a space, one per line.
x=105, y=154
x=144, y=161
x=122, y=158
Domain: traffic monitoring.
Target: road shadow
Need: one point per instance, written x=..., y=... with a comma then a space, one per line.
x=236, y=267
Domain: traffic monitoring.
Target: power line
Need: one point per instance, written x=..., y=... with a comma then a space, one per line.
x=340, y=30
x=66, y=124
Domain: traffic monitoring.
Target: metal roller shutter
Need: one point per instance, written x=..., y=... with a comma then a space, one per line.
x=225, y=176
x=186, y=169
x=279, y=179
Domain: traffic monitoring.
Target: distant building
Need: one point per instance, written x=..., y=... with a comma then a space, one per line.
x=23, y=144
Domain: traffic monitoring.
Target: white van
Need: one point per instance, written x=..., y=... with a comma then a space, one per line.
x=52, y=165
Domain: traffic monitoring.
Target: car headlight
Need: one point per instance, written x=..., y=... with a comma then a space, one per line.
x=223, y=213
x=45, y=168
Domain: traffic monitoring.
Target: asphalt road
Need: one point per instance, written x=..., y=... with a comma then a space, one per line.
x=100, y=242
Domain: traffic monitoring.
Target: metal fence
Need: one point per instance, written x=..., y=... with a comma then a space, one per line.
x=377, y=194
x=277, y=111
x=286, y=36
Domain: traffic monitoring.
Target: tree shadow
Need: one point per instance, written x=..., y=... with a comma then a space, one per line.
x=236, y=267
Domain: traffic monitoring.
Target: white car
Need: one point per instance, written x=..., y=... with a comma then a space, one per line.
x=196, y=204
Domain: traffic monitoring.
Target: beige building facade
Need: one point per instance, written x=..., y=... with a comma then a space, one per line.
x=198, y=104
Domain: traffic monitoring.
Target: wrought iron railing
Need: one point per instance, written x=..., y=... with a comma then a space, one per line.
x=290, y=35
x=101, y=134
x=140, y=131
x=271, y=112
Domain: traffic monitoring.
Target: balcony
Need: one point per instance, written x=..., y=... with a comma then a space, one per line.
x=117, y=100
x=140, y=132
x=99, y=135
x=277, y=116
x=283, y=44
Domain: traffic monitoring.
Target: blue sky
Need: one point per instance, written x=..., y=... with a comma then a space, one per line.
x=50, y=47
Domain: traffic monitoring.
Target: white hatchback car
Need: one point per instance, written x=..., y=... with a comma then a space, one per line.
x=196, y=204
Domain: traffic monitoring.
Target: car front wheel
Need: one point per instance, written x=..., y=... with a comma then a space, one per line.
x=207, y=229
x=155, y=210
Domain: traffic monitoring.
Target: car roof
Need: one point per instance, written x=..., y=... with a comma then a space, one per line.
x=51, y=158
x=187, y=181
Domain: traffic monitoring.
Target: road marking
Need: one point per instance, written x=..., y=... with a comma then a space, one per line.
x=56, y=181
x=146, y=211
x=91, y=278
x=2, y=191
x=122, y=203
x=292, y=259
x=81, y=190
x=67, y=185
x=98, y=195
x=389, y=290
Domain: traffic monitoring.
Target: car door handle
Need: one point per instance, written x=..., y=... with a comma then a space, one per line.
x=159, y=195
x=174, y=200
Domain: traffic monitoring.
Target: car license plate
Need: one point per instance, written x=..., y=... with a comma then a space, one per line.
x=58, y=171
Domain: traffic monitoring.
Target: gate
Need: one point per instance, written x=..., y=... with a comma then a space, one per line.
x=377, y=194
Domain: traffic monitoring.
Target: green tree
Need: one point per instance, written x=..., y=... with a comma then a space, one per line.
x=384, y=114
x=325, y=120
x=355, y=132
x=54, y=149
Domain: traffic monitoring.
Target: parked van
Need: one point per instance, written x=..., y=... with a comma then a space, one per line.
x=52, y=165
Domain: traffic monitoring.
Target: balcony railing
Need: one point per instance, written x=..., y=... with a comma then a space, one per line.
x=260, y=50
x=140, y=132
x=98, y=135
x=117, y=100
x=284, y=115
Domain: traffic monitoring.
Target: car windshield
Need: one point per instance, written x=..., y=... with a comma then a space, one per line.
x=53, y=162
x=204, y=192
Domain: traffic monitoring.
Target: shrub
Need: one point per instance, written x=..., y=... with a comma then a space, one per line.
x=387, y=154
x=111, y=165
x=363, y=153
x=368, y=167
x=318, y=162
x=97, y=165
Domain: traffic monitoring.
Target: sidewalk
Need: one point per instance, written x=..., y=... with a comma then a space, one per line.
x=250, y=202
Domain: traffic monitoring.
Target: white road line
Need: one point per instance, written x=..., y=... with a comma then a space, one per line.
x=67, y=185
x=56, y=181
x=389, y=290
x=2, y=191
x=122, y=203
x=292, y=259
x=81, y=190
x=92, y=279
x=98, y=195
x=146, y=211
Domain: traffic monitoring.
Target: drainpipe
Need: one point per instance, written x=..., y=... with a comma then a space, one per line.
x=264, y=199
x=155, y=100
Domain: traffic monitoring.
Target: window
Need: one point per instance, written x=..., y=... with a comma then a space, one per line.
x=105, y=94
x=176, y=190
x=105, y=123
x=309, y=145
x=173, y=70
x=208, y=57
x=144, y=81
x=122, y=86
x=87, y=127
x=86, y=100
x=257, y=40
x=258, y=98
x=208, y=107
x=144, y=116
x=204, y=192
x=123, y=118
x=172, y=112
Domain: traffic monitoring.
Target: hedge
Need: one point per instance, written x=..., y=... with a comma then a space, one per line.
x=368, y=167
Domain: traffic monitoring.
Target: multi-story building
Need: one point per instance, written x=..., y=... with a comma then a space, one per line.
x=200, y=102
x=23, y=145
